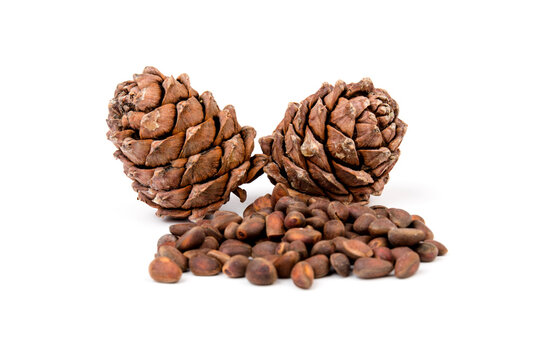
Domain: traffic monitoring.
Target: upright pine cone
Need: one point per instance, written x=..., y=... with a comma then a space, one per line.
x=340, y=142
x=184, y=155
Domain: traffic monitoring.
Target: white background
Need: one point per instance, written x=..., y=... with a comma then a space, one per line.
x=75, y=242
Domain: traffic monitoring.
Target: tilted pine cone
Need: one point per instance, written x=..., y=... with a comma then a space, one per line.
x=184, y=155
x=340, y=142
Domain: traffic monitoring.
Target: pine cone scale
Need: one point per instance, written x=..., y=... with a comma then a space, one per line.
x=350, y=177
x=341, y=147
x=233, y=154
x=157, y=122
x=326, y=180
x=202, y=166
x=172, y=199
x=202, y=194
x=189, y=113
x=238, y=176
x=317, y=120
x=164, y=151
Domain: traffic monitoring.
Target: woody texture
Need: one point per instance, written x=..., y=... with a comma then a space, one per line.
x=341, y=142
x=184, y=155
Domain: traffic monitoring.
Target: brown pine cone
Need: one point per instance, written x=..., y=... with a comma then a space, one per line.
x=184, y=155
x=340, y=142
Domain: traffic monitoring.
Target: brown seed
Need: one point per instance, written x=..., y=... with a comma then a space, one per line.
x=399, y=217
x=210, y=242
x=283, y=203
x=265, y=212
x=370, y=268
x=341, y=264
x=361, y=224
x=220, y=213
x=261, y=272
x=300, y=207
x=285, y=263
x=279, y=213
x=338, y=243
x=264, y=248
x=274, y=225
x=272, y=258
x=191, y=253
x=192, y=239
x=223, y=219
x=220, y=256
x=230, y=230
x=263, y=202
x=282, y=248
x=209, y=230
x=235, y=247
x=234, y=242
x=407, y=265
x=306, y=235
x=337, y=210
x=349, y=227
x=419, y=218
x=204, y=265
x=299, y=247
x=236, y=266
x=405, y=237
x=176, y=256
x=181, y=229
x=319, y=203
x=325, y=247
x=255, y=215
x=248, y=211
x=251, y=228
x=279, y=191
x=442, y=249
x=380, y=227
x=399, y=251
x=316, y=222
x=162, y=269
x=333, y=228
x=320, y=265
x=167, y=240
x=299, y=196
x=378, y=242
x=363, y=238
x=381, y=213
x=416, y=224
x=302, y=275
x=294, y=219
x=321, y=214
x=204, y=222
x=427, y=251
x=383, y=253
x=355, y=249
x=357, y=209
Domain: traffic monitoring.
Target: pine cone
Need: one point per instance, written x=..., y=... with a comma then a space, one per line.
x=340, y=142
x=184, y=155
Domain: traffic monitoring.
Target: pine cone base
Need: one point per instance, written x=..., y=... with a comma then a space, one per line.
x=184, y=155
x=340, y=142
